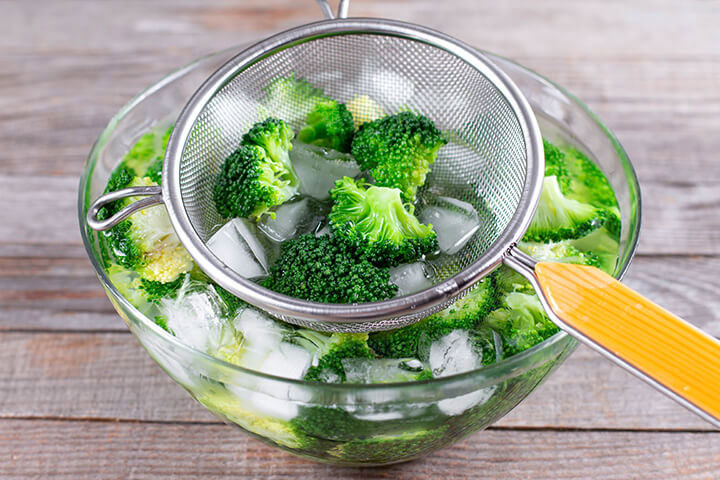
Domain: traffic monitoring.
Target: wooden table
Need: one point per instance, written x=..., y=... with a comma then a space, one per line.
x=80, y=399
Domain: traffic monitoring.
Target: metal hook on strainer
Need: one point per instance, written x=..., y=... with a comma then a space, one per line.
x=495, y=153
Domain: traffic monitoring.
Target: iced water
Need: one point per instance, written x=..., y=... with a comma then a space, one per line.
x=411, y=278
x=453, y=353
x=319, y=168
x=454, y=221
x=290, y=220
x=237, y=245
x=381, y=370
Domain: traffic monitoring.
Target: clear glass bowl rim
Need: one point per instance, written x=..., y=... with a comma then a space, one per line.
x=503, y=369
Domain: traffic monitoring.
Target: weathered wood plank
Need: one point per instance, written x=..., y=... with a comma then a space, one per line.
x=664, y=83
x=660, y=123
x=85, y=450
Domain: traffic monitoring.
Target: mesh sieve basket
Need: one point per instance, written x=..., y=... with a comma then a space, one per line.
x=493, y=159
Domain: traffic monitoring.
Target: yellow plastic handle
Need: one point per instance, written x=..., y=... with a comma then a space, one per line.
x=674, y=354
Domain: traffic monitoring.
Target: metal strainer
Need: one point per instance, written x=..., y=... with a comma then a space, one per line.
x=494, y=161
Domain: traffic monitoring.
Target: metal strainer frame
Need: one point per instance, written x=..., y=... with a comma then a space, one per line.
x=381, y=315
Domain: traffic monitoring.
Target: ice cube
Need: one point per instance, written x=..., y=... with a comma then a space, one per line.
x=458, y=405
x=386, y=87
x=287, y=360
x=453, y=353
x=262, y=404
x=318, y=168
x=195, y=318
x=261, y=335
x=410, y=278
x=454, y=221
x=290, y=219
x=237, y=245
x=381, y=370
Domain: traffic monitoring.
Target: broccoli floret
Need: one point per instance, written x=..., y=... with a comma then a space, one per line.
x=154, y=171
x=232, y=406
x=146, y=242
x=555, y=165
x=521, y=322
x=326, y=269
x=251, y=183
x=508, y=280
x=587, y=181
x=564, y=252
x=329, y=351
x=394, y=447
x=559, y=218
x=398, y=150
x=296, y=94
x=466, y=314
x=147, y=152
x=275, y=136
x=329, y=125
x=375, y=221
x=330, y=424
x=154, y=291
x=603, y=245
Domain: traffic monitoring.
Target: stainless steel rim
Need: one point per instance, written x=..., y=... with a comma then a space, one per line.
x=366, y=312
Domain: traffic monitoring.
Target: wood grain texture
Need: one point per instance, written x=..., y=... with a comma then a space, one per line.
x=88, y=450
x=650, y=69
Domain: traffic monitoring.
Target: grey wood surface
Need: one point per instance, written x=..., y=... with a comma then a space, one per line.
x=79, y=398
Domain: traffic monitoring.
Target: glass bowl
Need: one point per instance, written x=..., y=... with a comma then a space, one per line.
x=354, y=424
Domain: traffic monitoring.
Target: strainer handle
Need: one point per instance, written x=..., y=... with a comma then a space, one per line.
x=669, y=353
x=153, y=194
x=342, y=11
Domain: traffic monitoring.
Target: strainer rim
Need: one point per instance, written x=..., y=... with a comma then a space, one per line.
x=288, y=306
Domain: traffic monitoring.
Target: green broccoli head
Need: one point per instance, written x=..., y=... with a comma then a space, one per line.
x=329, y=125
x=327, y=269
x=146, y=155
x=398, y=150
x=465, y=314
x=588, y=183
x=563, y=251
x=555, y=165
x=329, y=352
x=374, y=220
x=392, y=447
x=154, y=291
x=602, y=244
x=275, y=136
x=560, y=218
x=521, y=322
x=146, y=242
x=154, y=171
x=251, y=182
x=508, y=280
